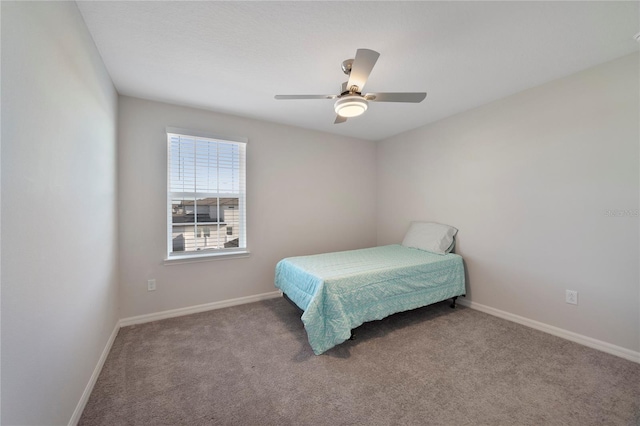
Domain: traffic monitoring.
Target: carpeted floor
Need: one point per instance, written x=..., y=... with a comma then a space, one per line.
x=252, y=365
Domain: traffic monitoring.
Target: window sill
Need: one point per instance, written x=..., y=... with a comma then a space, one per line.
x=193, y=258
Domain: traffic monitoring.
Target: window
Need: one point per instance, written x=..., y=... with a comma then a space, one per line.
x=206, y=207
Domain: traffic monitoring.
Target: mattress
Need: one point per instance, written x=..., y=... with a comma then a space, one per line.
x=342, y=290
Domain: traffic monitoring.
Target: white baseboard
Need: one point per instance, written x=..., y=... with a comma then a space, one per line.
x=140, y=319
x=556, y=331
x=75, y=417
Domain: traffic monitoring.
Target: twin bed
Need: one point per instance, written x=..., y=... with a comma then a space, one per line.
x=339, y=291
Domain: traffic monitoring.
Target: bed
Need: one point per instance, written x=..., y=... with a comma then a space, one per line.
x=339, y=291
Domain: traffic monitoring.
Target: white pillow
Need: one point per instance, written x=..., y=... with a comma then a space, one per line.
x=429, y=236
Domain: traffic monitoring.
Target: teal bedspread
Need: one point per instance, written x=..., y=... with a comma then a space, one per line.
x=340, y=291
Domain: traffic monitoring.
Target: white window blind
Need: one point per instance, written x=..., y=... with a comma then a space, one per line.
x=206, y=195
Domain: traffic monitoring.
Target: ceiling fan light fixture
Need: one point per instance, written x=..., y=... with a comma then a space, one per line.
x=351, y=106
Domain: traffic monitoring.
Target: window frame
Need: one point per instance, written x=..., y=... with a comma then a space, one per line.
x=210, y=254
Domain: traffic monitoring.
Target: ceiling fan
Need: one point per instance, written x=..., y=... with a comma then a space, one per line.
x=351, y=102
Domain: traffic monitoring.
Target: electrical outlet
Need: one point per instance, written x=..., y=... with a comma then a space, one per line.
x=151, y=285
x=572, y=297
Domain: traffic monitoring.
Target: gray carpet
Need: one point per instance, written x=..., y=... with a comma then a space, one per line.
x=252, y=365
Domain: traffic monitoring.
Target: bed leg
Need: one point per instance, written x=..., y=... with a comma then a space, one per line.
x=353, y=336
x=453, y=303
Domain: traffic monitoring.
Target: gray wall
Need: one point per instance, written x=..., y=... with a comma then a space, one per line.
x=59, y=288
x=307, y=192
x=528, y=180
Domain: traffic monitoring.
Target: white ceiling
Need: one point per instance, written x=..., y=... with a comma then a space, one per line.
x=233, y=57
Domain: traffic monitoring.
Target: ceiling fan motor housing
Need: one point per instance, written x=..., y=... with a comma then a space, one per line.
x=346, y=66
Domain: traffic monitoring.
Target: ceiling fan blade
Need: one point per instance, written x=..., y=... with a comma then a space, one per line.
x=340, y=119
x=361, y=68
x=396, y=97
x=306, y=96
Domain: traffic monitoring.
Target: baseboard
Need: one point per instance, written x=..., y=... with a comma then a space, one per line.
x=75, y=417
x=140, y=319
x=556, y=331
